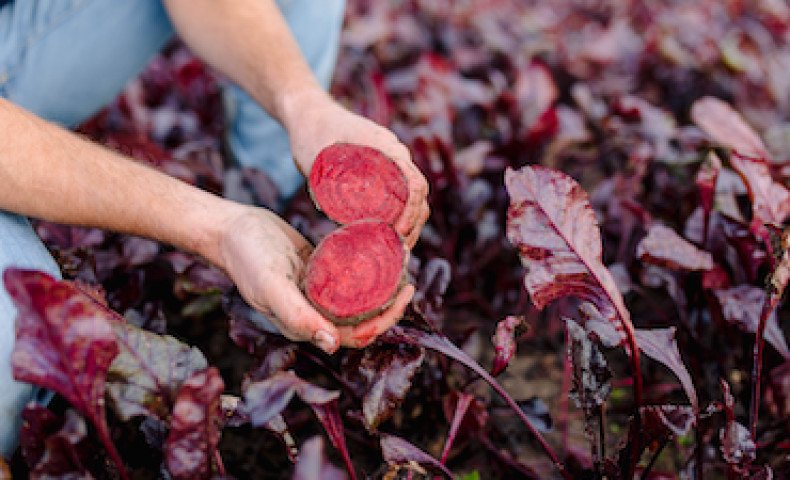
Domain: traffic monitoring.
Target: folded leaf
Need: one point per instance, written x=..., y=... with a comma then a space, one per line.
x=770, y=199
x=660, y=345
x=191, y=445
x=664, y=247
x=504, y=341
x=726, y=127
x=312, y=464
x=267, y=398
x=742, y=306
x=398, y=451
x=145, y=376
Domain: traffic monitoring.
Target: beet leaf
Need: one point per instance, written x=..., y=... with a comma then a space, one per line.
x=191, y=446
x=65, y=343
x=145, y=376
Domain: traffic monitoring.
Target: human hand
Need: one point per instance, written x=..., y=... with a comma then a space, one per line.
x=265, y=257
x=314, y=121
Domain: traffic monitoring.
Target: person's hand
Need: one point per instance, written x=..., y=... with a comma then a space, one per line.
x=314, y=121
x=265, y=257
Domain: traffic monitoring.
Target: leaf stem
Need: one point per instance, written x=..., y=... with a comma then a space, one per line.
x=759, y=343
x=654, y=458
x=443, y=345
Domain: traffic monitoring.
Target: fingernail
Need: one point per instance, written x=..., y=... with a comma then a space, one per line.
x=325, y=341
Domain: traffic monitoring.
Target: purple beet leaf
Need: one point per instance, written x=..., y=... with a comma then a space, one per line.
x=266, y=399
x=553, y=226
x=191, y=446
x=62, y=448
x=664, y=247
x=741, y=306
x=443, y=345
x=398, y=451
x=551, y=223
x=64, y=342
x=384, y=375
x=145, y=377
x=770, y=199
x=312, y=464
x=726, y=127
x=660, y=345
x=661, y=421
x=504, y=341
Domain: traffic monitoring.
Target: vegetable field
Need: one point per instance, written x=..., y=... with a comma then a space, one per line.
x=599, y=288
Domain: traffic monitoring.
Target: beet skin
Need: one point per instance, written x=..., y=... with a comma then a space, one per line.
x=356, y=271
x=353, y=182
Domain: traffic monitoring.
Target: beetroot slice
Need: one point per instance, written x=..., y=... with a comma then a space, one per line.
x=354, y=182
x=355, y=271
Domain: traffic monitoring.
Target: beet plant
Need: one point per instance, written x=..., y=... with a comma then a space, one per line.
x=599, y=287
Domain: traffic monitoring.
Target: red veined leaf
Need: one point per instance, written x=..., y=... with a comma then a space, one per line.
x=551, y=223
x=312, y=464
x=741, y=306
x=55, y=447
x=770, y=199
x=384, y=372
x=726, y=127
x=443, y=345
x=660, y=345
x=398, y=451
x=191, y=445
x=664, y=247
x=145, y=376
x=266, y=399
x=64, y=342
x=505, y=342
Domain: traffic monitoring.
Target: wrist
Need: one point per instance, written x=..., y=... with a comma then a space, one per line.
x=294, y=103
x=205, y=226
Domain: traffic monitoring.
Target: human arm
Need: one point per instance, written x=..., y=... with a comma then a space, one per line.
x=249, y=41
x=48, y=172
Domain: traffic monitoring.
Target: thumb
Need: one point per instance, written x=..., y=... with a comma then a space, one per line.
x=300, y=321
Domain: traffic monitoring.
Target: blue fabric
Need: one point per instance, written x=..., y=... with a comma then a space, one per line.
x=65, y=59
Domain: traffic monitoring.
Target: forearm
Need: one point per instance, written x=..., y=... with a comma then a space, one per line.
x=48, y=172
x=249, y=41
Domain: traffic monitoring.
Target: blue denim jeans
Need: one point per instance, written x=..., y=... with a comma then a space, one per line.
x=65, y=59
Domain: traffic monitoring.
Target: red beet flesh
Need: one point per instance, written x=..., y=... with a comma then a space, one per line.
x=355, y=271
x=354, y=182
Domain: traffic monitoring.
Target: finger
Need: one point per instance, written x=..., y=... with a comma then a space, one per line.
x=362, y=335
x=414, y=235
x=300, y=321
x=418, y=191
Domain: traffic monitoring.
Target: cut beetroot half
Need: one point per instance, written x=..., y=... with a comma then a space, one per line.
x=352, y=182
x=356, y=271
